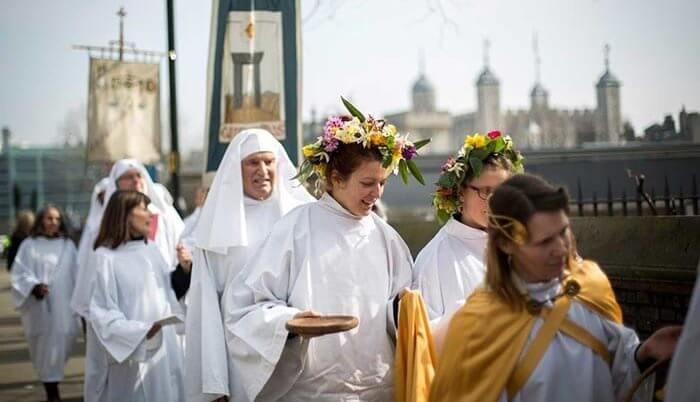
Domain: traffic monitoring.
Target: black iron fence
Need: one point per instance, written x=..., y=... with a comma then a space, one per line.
x=640, y=203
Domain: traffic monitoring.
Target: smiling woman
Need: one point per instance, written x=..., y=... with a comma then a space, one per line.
x=329, y=257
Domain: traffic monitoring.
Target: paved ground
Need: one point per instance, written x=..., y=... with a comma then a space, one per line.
x=18, y=381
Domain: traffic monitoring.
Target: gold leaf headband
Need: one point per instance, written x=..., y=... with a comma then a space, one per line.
x=517, y=233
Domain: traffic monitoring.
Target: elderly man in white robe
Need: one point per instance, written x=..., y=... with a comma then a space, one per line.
x=332, y=256
x=43, y=277
x=252, y=189
x=133, y=306
x=126, y=174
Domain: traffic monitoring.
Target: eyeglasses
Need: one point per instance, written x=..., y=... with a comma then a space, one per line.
x=484, y=193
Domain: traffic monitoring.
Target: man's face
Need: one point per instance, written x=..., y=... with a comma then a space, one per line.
x=259, y=171
x=131, y=180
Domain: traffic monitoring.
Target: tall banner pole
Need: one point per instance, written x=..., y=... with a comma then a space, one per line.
x=254, y=73
x=174, y=159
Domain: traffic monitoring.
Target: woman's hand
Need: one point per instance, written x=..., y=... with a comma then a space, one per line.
x=153, y=331
x=660, y=345
x=40, y=290
x=184, y=258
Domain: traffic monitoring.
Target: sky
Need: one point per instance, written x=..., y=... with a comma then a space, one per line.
x=368, y=50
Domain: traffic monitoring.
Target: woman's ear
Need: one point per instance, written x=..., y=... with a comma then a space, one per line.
x=336, y=180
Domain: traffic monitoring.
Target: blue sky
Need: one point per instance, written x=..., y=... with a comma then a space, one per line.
x=368, y=50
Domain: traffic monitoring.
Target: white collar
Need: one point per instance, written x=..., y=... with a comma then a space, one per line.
x=460, y=230
x=540, y=291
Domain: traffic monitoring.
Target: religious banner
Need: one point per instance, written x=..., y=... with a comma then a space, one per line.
x=123, y=111
x=254, y=74
x=252, y=85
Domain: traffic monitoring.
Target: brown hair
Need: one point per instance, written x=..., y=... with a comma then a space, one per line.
x=347, y=158
x=38, y=228
x=517, y=198
x=493, y=161
x=114, y=229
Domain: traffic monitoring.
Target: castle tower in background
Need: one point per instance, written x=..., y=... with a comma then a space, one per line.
x=488, y=114
x=609, y=119
x=423, y=92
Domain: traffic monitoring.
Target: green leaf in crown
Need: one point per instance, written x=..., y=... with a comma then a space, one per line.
x=469, y=161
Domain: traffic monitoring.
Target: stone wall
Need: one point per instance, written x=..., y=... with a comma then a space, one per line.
x=652, y=262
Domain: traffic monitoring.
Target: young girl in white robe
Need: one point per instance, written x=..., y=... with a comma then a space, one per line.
x=452, y=265
x=133, y=308
x=43, y=277
x=332, y=256
x=253, y=188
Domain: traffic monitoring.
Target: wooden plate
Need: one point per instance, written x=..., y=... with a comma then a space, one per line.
x=327, y=324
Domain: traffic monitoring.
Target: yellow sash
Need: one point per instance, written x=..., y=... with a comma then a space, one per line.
x=486, y=338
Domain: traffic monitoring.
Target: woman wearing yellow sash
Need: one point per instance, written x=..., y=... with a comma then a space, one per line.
x=546, y=327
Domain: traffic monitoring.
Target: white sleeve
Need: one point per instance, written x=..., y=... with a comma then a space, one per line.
x=255, y=315
x=120, y=336
x=622, y=343
x=23, y=275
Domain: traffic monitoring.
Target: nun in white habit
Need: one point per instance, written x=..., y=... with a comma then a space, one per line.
x=252, y=189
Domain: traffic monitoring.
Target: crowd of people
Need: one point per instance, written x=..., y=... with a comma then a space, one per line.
x=197, y=310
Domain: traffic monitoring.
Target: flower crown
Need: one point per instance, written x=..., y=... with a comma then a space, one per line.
x=397, y=151
x=470, y=158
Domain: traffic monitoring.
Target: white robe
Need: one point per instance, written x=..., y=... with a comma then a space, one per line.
x=683, y=384
x=188, y=238
x=208, y=375
x=318, y=257
x=49, y=324
x=132, y=291
x=572, y=372
x=449, y=268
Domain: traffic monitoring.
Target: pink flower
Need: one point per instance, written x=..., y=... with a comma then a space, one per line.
x=450, y=162
x=494, y=134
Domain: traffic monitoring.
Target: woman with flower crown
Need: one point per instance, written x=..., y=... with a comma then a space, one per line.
x=452, y=265
x=546, y=326
x=333, y=256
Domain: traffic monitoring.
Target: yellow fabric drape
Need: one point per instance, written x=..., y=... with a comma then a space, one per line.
x=414, y=364
x=486, y=337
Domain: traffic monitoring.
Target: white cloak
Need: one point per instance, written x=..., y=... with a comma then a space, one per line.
x=450, y=267
x=230, y=227
x=572, y=372
x=132, y=291
x=683, y=384
x=49, y=324
x=208, y=376
x=318, y=257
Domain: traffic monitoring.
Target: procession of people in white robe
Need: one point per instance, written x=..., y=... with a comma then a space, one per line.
x=257, y=263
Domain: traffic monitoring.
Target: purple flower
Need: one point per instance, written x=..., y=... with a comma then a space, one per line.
x=330, y=143
x=409, y=152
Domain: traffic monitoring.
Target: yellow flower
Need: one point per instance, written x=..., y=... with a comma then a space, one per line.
x=376, y=138
x=475, y=141
x=320, y=170
x=390, y=129
x=309, y=151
